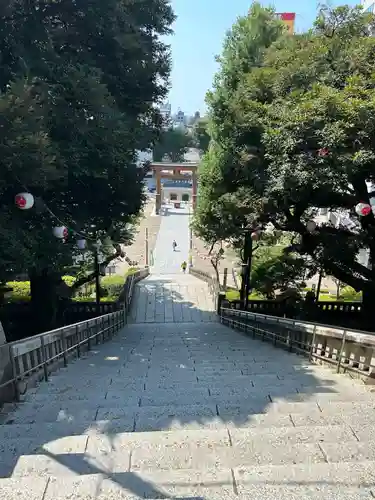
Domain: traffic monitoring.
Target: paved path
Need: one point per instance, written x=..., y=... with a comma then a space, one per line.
x=172, y=299
x=186, y=408
x=174, y=225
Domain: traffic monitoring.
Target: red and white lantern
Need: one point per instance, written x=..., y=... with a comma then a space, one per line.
x=24, y=201
x=61, y=232
x=255, y=235
x=362, y=209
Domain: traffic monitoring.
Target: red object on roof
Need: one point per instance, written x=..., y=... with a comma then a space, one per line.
x=287, y=16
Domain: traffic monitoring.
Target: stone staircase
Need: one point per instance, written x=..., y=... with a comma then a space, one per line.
x=189, y=410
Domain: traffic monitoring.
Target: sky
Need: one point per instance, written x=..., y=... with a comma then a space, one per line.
x=199, y=32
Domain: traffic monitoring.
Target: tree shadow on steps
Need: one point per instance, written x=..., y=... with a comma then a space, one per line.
x=177, y=376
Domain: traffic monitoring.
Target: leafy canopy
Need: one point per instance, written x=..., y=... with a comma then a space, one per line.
x=292, y=130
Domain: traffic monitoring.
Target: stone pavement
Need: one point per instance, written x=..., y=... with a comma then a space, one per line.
x=172, y=299
x=174, y=225
x=178, y=406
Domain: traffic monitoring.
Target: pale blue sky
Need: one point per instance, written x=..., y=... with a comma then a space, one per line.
x=198, y=36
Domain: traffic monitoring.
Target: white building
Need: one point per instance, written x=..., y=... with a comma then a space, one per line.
x=368, y=5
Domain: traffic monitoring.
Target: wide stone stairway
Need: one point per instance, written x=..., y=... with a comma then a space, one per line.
x=178, y=406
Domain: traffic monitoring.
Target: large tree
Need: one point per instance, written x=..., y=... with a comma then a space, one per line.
x=85, y=80
x=172, y=144
x=296, y=130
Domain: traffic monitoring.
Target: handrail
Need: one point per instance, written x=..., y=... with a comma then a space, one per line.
x=38, y=355
x=349, y=350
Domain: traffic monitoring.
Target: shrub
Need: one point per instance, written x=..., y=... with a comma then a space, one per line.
x=112, y=285
x=68, y=280
x=20, y=292
x=350, y=295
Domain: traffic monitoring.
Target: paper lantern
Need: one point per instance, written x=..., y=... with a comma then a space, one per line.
x=60, y=232
x=24, y=201
x=255, y=235
x=81, y=243
x=323, y=152
x=363, y=209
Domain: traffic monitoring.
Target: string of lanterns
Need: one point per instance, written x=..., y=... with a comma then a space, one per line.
x=26, y=201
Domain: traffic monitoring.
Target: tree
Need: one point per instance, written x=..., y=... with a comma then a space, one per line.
x=228, y=204
x=201, y=136
x=173, y=143
x=298, y=114
x=71, y=139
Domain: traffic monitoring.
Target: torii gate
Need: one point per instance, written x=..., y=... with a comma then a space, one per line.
x=174, y=171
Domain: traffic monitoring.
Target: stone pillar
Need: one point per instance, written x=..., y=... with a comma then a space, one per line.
x=158, y=193
x=195, y=185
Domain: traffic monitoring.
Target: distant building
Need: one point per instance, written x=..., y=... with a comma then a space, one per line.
x=166, y=110
x=288, y=18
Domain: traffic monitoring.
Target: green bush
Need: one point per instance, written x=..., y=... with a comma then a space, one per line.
x=350, y=295
x=20, y=292
x=69, y=280
x=325, y=297
x=235, y=295
x=112, y=285
x=87, y=298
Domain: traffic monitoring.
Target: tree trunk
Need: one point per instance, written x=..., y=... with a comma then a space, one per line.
x=44, y=300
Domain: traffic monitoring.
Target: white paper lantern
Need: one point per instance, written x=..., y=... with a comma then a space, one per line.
x=24, y=201
x=81, y=243
x=60, y=232
x=363, y=209
x=255, y=235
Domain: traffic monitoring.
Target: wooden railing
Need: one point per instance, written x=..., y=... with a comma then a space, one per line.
x=25, y=361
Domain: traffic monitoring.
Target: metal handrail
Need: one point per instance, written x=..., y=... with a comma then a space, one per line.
x=306, y=341
x=38, y=355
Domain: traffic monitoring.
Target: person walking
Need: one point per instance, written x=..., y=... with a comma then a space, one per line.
x=184, y=266
x=174, y=245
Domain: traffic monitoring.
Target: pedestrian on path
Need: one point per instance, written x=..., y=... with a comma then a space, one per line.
x=184, y=266
x=174, y=245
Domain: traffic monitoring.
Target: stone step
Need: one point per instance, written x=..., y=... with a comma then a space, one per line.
x=228, y=405
x=147, y=419
x=112, y=453
x=329, y=481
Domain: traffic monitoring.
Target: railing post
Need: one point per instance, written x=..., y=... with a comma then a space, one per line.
x=64, y=346
x=44, y=358
x=14, y=374
x=78, y=343
x=312, y=344
x=341, y=351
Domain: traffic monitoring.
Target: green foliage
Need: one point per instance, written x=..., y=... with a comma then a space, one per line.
x=72, y=122
x=173, y=143
x=79, y=89
x=20, y=291
x=292, y=126
x=201, y=136
x=350, y=295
